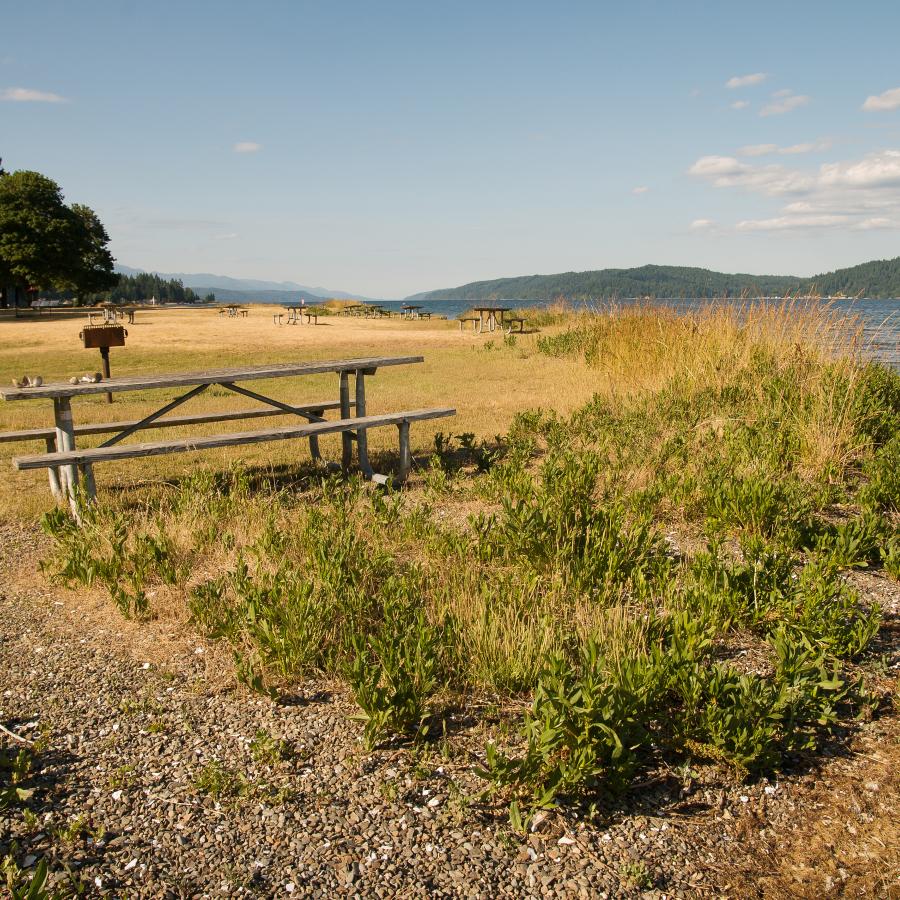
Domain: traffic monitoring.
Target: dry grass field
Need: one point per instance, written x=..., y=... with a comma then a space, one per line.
x=467, y=371
x=668, y=592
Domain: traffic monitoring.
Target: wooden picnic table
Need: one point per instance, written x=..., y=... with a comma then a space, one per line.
x=410, y=311
x=494, y=316
x=233, y=310
x=108, y=314
x=64, y=477
x=296, y=312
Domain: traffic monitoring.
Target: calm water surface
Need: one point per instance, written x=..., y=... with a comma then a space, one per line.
x=880, y=319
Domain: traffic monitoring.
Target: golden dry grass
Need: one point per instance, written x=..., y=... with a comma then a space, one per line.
x=487, y=386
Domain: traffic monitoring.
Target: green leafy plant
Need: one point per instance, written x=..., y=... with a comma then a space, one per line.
x=395, y=673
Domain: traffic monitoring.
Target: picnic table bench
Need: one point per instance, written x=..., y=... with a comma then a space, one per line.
x=70, y=467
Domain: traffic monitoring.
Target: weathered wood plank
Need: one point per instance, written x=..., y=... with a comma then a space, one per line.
x=346, y=445
x=157, y=448
x=65, y=441
x=42, y=434
x=212, y=376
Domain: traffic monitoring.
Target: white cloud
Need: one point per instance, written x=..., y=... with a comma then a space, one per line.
x=640, y=189
x=225, y=237
x=739, y=81
x=27, y=95
x=861, y=194
x=877, y=170
x=875, y=222
x=881, y=102
x=812, y=147
x=740, y=104
x=783, y=102
x=758, y=149
x=786, y=223
x=702, y=224
x=791, y=150
x=247, y=147
x=773, y=180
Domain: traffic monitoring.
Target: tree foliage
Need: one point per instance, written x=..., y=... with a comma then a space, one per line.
x=46, y=244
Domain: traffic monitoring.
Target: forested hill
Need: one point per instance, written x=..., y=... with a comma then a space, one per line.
x=880, y=278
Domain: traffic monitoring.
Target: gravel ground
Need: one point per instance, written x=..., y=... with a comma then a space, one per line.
x=153, y=781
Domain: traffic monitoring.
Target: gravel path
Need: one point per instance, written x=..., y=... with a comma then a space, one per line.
x=155, y=782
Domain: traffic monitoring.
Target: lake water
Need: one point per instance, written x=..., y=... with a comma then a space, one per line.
x=880, y=319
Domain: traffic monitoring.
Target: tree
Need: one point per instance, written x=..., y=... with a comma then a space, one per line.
x=45, y=244
x=92, y=263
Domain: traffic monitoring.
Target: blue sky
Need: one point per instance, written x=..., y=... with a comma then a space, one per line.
x=387, y=148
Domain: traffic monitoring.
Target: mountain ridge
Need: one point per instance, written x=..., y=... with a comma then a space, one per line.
x=876, y=278
x=204, y=282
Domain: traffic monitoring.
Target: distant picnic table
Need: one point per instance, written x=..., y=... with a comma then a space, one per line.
x=296, y=311
x=232, y=310
x=64, y=462
x=110, y=314
x=494, y=316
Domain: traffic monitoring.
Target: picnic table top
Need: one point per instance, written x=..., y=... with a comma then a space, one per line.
x=210, y=376
x=492, y=308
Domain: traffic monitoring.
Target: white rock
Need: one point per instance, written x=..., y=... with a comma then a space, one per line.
x=566, y=841
x=117, y=795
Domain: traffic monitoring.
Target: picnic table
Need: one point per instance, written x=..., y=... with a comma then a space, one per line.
x=64, y=461
x=410, y=311
x=232, y=310
x=107, y=314
x=296, y=312
x=494, y=316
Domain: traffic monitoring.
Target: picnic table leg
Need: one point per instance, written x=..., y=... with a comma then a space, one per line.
x=65, y=442
x=362, y=440
x=52, y=473
x=405, y=458
x=314, y=439
x=346, y=440
x=90, y=486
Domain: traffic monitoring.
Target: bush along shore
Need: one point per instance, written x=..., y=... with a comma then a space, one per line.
x=662, y=578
